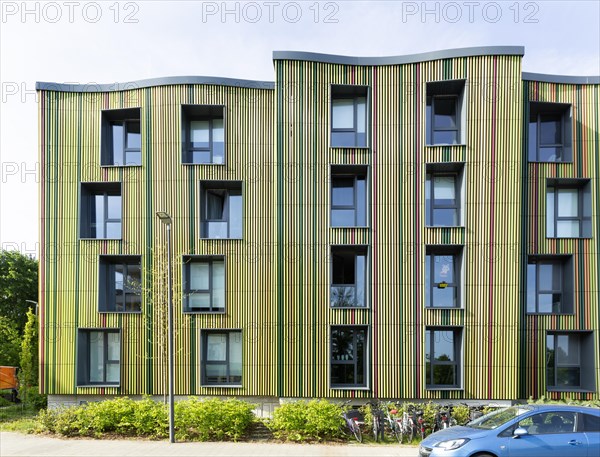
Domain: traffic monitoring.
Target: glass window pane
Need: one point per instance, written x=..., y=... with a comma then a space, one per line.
x=444, y=375
x=361, y=271
x=199, y=134
x=533, y=140
x=113, y=373
x=567, y=229
x=235, y=354
x=113, y=230
x=114, y=346
x=217, y=229
x=428, y=280
x=342, y=113
x=550, y=129
x=342, y=374
x=117, y=143
x=545, y=303
x=567, y=349
x=531, y=287
x=215, y=204
x=218, y=284
x=343, y=218
x=550, y=154
x=199, y=276
x=568, y=376
x=444, y=112
x=98, y=215
x=443, y=268
x=342, y=191
x=361, y=115
x=445, y=217
x=361, y=201
x=567, y=202
x=550, y=212
x=133, y=158
x=444, y=298
x=96, y=356
x=343, y=268
x=218, y=141
x=445, y=137
x=235, y=216
x=360, y=357
x=444, y=346
x=118, y=278
x=549, y=276
x=134, y=137
x=444, y=190
x=114, y=206
x=342, y=345
x=201, y=156
x=199, y=301
x=134, y=278
x=216, y=347
x=216, y=373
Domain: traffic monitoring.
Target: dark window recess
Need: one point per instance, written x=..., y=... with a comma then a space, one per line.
x=120, y=288
x=203, y=134
x=348, y=276
x=550, y=285
x=348, y=196
x=570, y=361
x=442, y=357
x=568, y=208
x=98, y=357
x=100, y=210
x=204, y=285
x=349, y=116
x=348, y=356
x=550, y=138
x=221, y=209
x=121, y=137
x=222, y=357
x=444, y=110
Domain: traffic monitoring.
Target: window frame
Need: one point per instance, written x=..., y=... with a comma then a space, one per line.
x=431, y=101
x=586, y=355
x=87, y=192
x=228, y=186
x=565, y=262
x=203, y=357
x=366, y=357
x=445, y=89
x=450, y=169
x=355, y=172
x=458, y=338
x=539, y=109
x=445, y=250
x=191, y=113
x=582, y=186
x=187, y=291
x=358, y=250
x=106, y=285
x=122, y=116
x=83, y=357
x=353, y=92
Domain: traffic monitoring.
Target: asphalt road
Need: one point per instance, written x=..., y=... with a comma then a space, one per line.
x=16, y=444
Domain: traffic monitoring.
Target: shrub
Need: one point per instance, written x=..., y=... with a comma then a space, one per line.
x=33, y=398
x=305, y=421
x=461, y=414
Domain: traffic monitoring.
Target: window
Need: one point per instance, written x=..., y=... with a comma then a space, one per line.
x=204, y=285
x=445, y=117
x=589, y=423
x=443, y=195
x=550, y=132
x=349, y=116
x=349, y=356
x=120, y=289
x=570, y=361
x=443, y=276
x=568, y=208
x=221, y=209
x=349, y=276
x=348, y=196
x=203, y=134
x=222, y=357
x=549, y=423
x=442, y=357
x=98, y=357
x=121, y=137
x=550, y=285
x=100, y=211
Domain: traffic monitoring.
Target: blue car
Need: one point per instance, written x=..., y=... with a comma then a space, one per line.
x=521, y=431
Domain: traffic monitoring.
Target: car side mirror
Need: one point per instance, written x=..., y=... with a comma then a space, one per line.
x=519, y=432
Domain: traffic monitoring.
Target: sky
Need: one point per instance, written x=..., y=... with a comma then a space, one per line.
x=119, y=41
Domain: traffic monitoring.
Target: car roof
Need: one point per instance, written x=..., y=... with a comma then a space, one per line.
x=562, y=407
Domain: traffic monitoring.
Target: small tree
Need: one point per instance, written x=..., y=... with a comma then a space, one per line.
x=29, y=352
x=10, y=342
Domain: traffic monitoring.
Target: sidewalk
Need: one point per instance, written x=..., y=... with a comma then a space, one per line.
x=16, y=444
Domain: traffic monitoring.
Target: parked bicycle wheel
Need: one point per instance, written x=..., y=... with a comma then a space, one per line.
x=357, y=432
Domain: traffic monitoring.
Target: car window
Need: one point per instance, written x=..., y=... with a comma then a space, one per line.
x=590, y=423
x=498, y=418
x=549, y=423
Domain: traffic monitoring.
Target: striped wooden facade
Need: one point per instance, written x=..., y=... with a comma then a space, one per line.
x=277, y=277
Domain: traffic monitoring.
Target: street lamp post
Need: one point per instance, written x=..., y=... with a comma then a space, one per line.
x=33, y=303
x=166, y=219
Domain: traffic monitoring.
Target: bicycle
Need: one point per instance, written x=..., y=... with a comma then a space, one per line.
x=353, y=419
x=378, y=424
x=394, y=423
x=421, y=424
x=408, y=426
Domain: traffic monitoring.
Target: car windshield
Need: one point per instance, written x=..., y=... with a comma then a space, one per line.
x=497, y=418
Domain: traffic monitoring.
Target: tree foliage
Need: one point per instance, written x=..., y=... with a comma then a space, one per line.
x=10, y=343
x=18, y=282
x=29, y=352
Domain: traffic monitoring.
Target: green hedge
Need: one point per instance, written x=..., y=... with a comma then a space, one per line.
x=315, y=420
x=199, y=420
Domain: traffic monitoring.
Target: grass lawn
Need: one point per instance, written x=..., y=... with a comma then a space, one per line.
x=18, y=418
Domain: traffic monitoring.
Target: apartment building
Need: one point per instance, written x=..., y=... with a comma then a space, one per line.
x=413, y=227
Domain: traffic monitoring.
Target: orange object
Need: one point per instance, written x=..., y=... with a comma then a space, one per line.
x=8, y=378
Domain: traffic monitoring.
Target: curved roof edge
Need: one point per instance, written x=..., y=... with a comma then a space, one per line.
x=395, y=60
x=153, y=82
x=561, y=79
